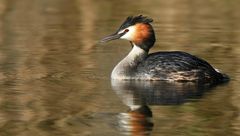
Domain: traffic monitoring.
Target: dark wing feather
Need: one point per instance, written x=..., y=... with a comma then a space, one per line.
x=181, y=65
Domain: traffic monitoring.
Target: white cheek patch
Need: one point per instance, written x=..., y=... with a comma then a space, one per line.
x=130, y=34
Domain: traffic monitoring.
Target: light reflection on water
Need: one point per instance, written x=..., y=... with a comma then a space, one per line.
x=54, y=76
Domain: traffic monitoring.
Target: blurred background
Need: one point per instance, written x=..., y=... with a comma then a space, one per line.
x=55, y=76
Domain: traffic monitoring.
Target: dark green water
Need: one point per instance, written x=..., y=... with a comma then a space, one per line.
x=55, y=77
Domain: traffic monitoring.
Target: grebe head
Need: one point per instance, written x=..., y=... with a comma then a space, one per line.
x=137, y=30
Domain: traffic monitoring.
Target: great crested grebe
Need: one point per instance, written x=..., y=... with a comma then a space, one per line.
x=170, y=66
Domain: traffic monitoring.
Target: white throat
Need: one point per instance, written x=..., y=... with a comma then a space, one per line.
x=125, y=68
x=135, y=53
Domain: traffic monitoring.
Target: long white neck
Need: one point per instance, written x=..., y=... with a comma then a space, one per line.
x=125, y=68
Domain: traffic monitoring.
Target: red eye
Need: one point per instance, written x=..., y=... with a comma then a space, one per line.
x=126, y=30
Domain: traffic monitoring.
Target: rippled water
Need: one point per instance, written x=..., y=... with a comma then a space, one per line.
x=55, y=76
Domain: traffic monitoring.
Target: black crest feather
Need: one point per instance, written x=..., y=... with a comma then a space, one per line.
x=132, y=20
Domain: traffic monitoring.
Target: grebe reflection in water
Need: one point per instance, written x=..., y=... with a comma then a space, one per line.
x=139, y=96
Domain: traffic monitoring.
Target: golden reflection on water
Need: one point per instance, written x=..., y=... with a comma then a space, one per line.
x=139, y=95
x=54, y=76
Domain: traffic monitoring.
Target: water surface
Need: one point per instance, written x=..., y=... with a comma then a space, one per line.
x=55, y=76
